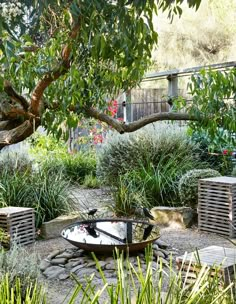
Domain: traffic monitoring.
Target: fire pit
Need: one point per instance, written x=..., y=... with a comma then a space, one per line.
x=103, y=235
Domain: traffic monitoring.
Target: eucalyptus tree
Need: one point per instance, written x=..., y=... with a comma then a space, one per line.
x=61, y=59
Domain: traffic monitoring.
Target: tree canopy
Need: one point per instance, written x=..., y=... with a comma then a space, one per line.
x=61, y=60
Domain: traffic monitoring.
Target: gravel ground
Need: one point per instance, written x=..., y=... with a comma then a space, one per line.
x=183, y=240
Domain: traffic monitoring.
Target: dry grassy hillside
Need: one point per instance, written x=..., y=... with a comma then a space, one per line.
x=197, y=38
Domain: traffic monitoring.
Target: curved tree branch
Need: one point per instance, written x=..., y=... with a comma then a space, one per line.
x=17, y=134
x=134, y=126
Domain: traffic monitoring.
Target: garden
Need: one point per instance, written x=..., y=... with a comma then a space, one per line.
x=143, y=169
x=62, y=65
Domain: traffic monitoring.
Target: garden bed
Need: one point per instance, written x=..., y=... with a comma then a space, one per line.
x=180, y=241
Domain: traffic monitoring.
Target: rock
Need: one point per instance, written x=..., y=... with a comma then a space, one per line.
x=70, y=264
x=102, y=264
x=161, y=244
x=66, y=255
x=53, y=272
x=174, y=217
x=54, y=254
x=166, y=252
x=108, y=274
x=44, y=265
x=155, y=247
x=77, y=260
x=63, y=276
x=58, y=261
x=85, y=272
x=110, y=266
x=78, y=254
x=53, y=228
x=91, y=264
x=164, y=261
x=76, y=268
x=157, y=253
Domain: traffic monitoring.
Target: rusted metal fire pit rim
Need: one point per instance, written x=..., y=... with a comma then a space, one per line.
x=105, y=248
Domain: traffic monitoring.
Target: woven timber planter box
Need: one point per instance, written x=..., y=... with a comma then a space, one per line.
x=19, y=224
x=217, y=205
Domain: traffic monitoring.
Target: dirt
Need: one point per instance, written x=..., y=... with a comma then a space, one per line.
x=183, y=240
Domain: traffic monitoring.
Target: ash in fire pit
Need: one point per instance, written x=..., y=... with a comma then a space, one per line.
x=105, y=234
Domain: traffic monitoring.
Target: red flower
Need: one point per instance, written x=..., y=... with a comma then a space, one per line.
x=227, y=152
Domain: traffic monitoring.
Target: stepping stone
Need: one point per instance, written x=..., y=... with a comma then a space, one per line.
x=212, y=257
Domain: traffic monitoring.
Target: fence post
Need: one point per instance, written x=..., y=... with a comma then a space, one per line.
x=172, y=87
x=124, y=107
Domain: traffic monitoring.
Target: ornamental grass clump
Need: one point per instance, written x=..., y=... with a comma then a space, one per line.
x=188, y=185
x=45, y=191
x=34, y=293
x=52, y=155
x=151, y=283
x=154, y=158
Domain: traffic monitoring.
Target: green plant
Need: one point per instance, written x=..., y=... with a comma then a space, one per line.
x=128, y=195
x=155, y=285
x=4, y=238
x=49, y=196
x=91, y=181
x=214, y=151
x=188, y=185
x=18, y=264
x=15, y=294
x=52, y=155
x=45, y=191
x=148, y=163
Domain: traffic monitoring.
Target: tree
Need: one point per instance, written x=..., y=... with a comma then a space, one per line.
x=61, y=59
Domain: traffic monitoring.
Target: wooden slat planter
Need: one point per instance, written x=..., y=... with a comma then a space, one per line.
x=217, y=205
x=215, y=257
x=19, y=223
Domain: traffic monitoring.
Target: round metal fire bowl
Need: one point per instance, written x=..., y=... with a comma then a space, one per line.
x=104, y=235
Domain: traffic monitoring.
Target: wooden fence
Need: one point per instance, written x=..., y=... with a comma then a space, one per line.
x=164, y=86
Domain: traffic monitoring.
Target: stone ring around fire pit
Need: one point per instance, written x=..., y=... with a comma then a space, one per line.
x=104, y=235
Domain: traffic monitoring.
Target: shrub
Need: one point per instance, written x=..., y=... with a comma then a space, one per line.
x=16, y=264
x=215, y=157
x=154, y=158
x=52, y=155
x=91, y=181
x=188, y=185
x=46, y=192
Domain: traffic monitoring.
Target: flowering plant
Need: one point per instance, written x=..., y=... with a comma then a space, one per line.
x=12, y=9
x=96, y=129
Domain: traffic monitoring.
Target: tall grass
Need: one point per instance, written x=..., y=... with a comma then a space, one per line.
x=153, y=158
x=45, y=191
x=74, y=167
x=52, y=155
x=154, y=285
x=14, y=294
